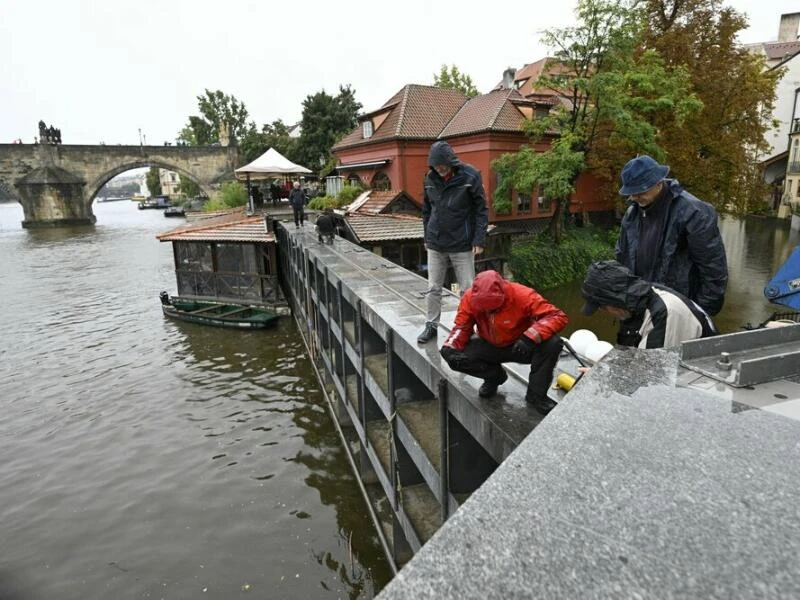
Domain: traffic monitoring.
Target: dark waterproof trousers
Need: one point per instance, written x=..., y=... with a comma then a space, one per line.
x=299, y=214
x=482, y=359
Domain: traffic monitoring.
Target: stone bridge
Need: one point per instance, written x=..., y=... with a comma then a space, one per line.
x=56, y=183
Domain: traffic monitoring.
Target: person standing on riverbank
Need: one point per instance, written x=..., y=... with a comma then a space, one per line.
x=669, y=236
x=297, y=198
x=454, y=221
x=666, y=317
x=514, y=324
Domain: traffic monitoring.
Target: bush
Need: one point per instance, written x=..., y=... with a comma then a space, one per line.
x=348, y=194
x=539, y=263
x=231, y=195
x=322, y=202
x=234, y=194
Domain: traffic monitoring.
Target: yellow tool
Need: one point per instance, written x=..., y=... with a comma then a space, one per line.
x=565, y=381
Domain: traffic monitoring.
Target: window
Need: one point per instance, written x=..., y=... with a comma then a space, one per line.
x=366, y=128
x=354, y=179
x=381, y=182
x=523, y=203
x=543, y=203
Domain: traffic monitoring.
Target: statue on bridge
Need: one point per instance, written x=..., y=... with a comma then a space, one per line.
x=50, y=135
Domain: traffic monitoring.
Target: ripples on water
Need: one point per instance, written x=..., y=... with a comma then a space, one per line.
x=144, y=458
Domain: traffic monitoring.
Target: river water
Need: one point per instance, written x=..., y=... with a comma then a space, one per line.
x=144, y=458
x=755, y=247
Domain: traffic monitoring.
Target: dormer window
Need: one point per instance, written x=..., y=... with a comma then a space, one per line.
x=366, y=128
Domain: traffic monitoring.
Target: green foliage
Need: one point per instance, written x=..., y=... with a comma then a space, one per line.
x=342, y=199
x=326, y=119
x=272, y=135
x=348, y=194
x=610, y=92
x=714, y=152
x=454, y=79
x=216, y=108
x=541, y=264
x=323, y=202
x=188, y=188
x=232, y=194
x=214, y=205
x=153, y=181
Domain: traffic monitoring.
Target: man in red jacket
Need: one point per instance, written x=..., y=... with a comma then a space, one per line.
x=515, y=324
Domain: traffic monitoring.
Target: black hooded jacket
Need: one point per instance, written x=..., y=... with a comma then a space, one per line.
x=454, y=213
x=661, y=316
x=691, y=257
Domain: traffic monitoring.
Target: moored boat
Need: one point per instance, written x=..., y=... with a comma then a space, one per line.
x=218, y=314
x=174, y=211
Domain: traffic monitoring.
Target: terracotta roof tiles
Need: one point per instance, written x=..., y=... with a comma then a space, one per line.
x=377, y=228
x=230, y=227
x=493, y=111
x=416, y=111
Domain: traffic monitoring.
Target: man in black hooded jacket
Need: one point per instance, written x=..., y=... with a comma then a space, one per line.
x=665, y=317
x=454, y=218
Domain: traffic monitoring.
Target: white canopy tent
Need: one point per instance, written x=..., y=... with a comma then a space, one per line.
x=270, y=164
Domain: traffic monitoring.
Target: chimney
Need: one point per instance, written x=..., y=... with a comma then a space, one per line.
x=508, y=78
x=787, y=32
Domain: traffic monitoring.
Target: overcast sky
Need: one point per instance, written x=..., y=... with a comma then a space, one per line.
x=102, y=70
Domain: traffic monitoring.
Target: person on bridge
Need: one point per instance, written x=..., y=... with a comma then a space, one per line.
x=326, y=226
x=297, y=198
x=665, y=317
x=669, y=236
x=454, y=221
x=514, y=324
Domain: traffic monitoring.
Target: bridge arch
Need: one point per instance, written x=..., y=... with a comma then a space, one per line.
x=97, y=184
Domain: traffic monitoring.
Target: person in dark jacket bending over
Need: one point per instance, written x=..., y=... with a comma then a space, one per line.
x=515, y=324
x=326, y=226
x=454, y=220
x=666, y=317
x=297, y=198
x=670, y=237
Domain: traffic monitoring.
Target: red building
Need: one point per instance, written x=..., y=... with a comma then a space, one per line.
x=389, y=148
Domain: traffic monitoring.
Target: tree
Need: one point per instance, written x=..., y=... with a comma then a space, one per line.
x=153, y=181
x=188, y=188
x=714, y=152
x=326, y=119
x=611, y=92
x=274, y=135
x=454, y=79
x=216, y=109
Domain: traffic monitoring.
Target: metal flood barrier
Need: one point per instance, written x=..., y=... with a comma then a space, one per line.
x=418, y=437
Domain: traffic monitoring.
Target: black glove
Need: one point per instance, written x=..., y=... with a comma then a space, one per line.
x=628, y=337
x=447, y=352
x=522, y=349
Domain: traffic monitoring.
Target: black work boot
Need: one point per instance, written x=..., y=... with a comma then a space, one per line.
x=542, y=404
x=428, y=334
x=489, y=386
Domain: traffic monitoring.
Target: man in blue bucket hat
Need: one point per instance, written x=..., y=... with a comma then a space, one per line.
x=671, y=237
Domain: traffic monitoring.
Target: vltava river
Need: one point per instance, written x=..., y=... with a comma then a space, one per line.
x=144, y=458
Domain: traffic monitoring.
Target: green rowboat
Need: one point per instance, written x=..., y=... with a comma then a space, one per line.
x=218, y=314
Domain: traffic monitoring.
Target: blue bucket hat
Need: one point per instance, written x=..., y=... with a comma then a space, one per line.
x=640, y=174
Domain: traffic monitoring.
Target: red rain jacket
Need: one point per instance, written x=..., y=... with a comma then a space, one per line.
x=503, y=312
